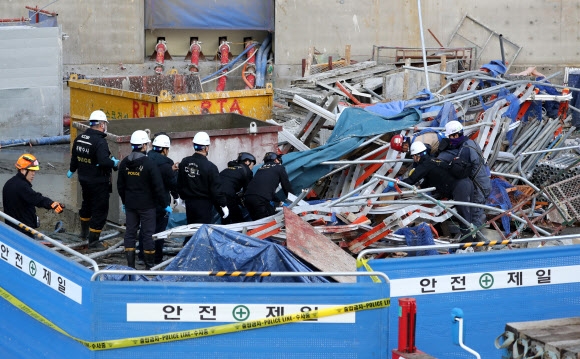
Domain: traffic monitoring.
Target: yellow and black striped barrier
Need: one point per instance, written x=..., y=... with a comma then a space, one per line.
x=239, y=274
x=199, y=332
x=485, y=243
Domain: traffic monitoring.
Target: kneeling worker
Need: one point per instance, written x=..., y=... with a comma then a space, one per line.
x=141, y=190
x=235, y=178
x=262, y=188
x=20, y=199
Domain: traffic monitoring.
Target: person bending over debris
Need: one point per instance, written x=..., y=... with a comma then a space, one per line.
x=262, y=188
x=141, y=190
x=435, y=173
x=90, y=156
x=20, y=199
x=198, y=182
x=234, y=181
x=168, y=171
x=467, y=162
x=430, y=139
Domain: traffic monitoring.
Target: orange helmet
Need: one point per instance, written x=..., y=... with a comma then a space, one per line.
x=397, y=142
x=27, y=162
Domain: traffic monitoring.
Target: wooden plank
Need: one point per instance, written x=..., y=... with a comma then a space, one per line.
x=347, y=55
x=309, y=61
x=310, y=245
x=341, y=71
x=358, y=76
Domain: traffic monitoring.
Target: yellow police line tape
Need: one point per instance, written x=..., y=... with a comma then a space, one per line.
x=200, y=332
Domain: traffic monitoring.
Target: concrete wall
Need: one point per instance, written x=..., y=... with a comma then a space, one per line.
x=104, y=31
x=31, y=98
x=547, y=30
x=111, y=31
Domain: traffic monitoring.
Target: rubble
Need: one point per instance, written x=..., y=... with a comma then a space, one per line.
x=522, y=127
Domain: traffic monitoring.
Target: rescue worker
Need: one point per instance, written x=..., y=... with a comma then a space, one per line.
x=141, y=190
x=435, y=173
x=198, y=183
x=235, y=179
x=462, y=146
x=168, y=170
x=430, y=139
x=20, y=199
x=90, y=156
x=262, y=188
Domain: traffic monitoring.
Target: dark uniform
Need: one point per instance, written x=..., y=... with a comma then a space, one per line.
x=20, y=202
x=262, y=190
x=235, y=178
x=169, y=179
x=90, y=156
x=198, y=183
x=436, y=174
x=141, y=190
x=479, y=176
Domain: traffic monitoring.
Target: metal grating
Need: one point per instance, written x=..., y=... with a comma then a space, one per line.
x=566, y=195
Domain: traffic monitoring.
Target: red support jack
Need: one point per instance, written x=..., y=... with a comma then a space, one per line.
x=407, y=321
x=160, y=49
x=195, y=50
x=249, y=70
x=224, y=51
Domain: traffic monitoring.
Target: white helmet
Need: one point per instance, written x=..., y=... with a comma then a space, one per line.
x=139, y=137
x=98, y=115
x=417, y=147
x=201, y=138
x=162, y=141
x=453, y=127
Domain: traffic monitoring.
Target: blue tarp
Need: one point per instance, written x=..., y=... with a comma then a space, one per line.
x=221, y=249
x=352, y=128
x=393, y=108
x=210, y=14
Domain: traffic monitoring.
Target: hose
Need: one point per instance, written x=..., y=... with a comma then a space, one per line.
x=261, y=79
x=220, y=71
x=259, y=58
x=52, y=140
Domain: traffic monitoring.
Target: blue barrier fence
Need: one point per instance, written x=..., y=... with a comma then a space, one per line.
x=492, y=289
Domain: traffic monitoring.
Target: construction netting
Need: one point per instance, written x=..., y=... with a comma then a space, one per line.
x=499, y=197
x=420, y=235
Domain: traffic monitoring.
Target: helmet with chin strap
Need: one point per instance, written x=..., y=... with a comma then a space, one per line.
x=418, y=148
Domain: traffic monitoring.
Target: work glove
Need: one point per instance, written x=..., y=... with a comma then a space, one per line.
x=123, y=208
x=168, y=209
x=57, y=207
x=69, y=174
x=116, y=161
x=226, y=211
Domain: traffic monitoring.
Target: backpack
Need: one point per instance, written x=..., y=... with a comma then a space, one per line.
x=460, y=167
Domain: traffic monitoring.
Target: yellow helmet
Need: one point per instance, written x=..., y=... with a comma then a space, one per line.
x=27, y=162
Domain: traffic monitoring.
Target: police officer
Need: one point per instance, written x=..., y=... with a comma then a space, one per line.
x=262, y=188
x=235, y=179
x=199, y=185
x=141, y=190
x=168, y=171
x=20, y=199
x=436, y=174
x=90, y=156
x=462, y=146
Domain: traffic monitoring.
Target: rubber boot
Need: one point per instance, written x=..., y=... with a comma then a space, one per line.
x=159, y=250
x=84, y=230
x=130, y=254
x=149, y=259
x=94, y=242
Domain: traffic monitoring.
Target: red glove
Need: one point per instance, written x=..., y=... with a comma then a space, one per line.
x=57, y=207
